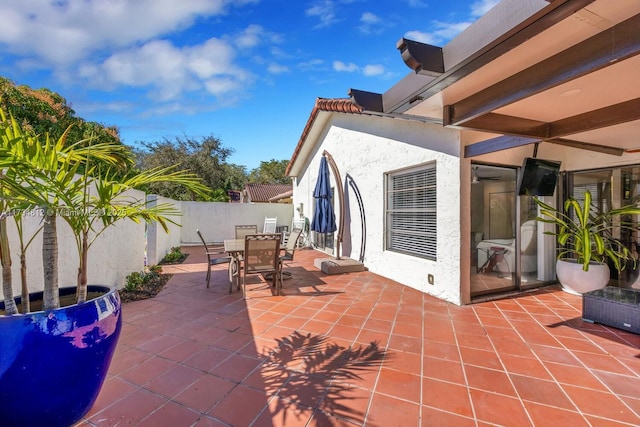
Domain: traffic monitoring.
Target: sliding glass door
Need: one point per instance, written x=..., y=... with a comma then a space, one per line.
x=613, y=188
x=493, y=229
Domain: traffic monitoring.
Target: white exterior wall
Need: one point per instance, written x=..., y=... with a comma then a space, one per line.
x=159, y=243
x=366, y=148
x=116, y=253
x=217, y=220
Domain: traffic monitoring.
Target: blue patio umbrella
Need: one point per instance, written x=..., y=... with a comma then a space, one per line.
x=324, y=219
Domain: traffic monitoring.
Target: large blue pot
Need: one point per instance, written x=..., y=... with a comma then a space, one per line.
x=53, y=363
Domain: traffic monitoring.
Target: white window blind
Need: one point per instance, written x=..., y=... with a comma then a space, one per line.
x=411, y=212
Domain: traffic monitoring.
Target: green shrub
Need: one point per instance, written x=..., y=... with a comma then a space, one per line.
x=175, y=255
x=137, y=279
x=134, y=281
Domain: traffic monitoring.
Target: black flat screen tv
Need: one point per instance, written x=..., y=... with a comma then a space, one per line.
x=538, y=177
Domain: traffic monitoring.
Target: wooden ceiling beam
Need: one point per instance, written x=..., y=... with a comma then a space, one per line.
x=509, y=125
x=611, y=115
x=610, y=46
x=510, y=141
x=540, y=21
x=497, y=144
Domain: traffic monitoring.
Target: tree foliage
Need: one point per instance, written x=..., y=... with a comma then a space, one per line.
x=206, y=159
x=42, y=111
x=270, y=172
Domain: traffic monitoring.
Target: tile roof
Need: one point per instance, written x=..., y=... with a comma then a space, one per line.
x=335, y=105
x=261, y=193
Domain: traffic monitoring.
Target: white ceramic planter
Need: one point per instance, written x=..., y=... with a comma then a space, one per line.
x=577, y=281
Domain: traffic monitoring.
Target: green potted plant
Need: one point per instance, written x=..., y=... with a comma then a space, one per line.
x=66, y=347
x=587, y=242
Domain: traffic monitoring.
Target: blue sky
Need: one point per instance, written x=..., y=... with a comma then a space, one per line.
x=245, y=71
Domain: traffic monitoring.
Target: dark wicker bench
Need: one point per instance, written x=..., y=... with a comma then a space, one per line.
x=612, y=306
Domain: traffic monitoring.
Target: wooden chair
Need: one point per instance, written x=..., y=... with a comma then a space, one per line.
x=270, y=225
x=243, y=230
x=261, y=255
x=210, y=259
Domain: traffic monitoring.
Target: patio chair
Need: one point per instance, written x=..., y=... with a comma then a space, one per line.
x=243, y=230
x=289, y=249
x=270, y=225
x=261, y=255
x=211, y=260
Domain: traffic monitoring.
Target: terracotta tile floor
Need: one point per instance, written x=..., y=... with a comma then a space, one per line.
x=358, y=349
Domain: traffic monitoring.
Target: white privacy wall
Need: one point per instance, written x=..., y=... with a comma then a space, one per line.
x=216, y=220
x=366, y=148
x=115, y=254
x=159, y=242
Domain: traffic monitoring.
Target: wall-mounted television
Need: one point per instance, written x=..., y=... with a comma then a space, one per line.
x=538, y=177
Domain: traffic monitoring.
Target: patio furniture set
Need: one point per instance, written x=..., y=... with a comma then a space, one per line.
x=254, y=253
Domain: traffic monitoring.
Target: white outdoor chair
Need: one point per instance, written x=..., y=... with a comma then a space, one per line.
x=270, y=225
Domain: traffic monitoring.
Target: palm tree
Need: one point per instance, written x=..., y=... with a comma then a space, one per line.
x=63, y=180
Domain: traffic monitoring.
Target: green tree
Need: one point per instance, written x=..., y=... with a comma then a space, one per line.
x=42, y=111
x=271, y=172
x=206, y=159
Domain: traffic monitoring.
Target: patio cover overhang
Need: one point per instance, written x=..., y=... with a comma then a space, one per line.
x=566, y=74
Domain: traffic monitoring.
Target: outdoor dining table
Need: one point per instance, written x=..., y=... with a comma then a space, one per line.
x=235, y=249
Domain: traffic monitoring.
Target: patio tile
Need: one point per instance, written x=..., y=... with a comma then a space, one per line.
x=236, y=367
x=240, y=407
x=129, y=411
x=526, y=366
x=446, y=396
x=498, y=409
x=542, y=414
x=436, y=417
x=489, y=380
x=441, y=369
x=399, y=384
x=173, y=381
x=485, y=359
x=204, y=393
x=361, y=350
x=284, y=413
x=146, y=371
x=170, y=415
x=389, y=411
x=541, y=391
x=602, y=404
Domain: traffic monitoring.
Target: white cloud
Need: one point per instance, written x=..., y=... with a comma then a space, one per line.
x=324, y=10
x=278, y=69
x=312, y=65
x=369, y=18
x=370, y=23
x=369, y=70
x=345, y=68
x=63, y=32
x=169, y=70
x=481, y=7
x=250, y=37
x=443, y=32
x=373, y=70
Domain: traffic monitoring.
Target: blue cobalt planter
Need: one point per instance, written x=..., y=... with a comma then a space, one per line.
x=53, y=363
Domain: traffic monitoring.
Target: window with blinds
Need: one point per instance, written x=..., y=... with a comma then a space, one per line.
x=411, y=212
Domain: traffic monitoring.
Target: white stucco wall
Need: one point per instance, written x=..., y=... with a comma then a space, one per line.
x=160, y=242
x=366, y=148
x=116, y=252
x=216, y=221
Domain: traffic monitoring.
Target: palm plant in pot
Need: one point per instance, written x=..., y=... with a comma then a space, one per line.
x=54, y=361
x=587, y=242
